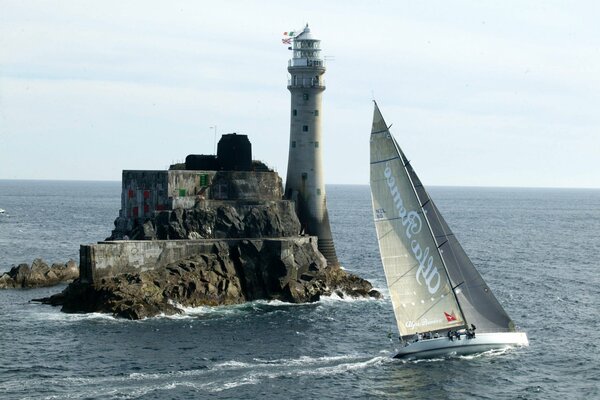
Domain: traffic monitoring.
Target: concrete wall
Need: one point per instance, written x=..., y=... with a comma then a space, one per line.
x=144, y=192
x=106, y=259
x=247, y=185
x=185, y=183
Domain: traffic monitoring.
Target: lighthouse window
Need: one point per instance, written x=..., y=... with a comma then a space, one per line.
x=305, y=96
x=318, y=192
x=316, y=144
x=316, y=113
x=304, y=128
x=295, y=112
x=294, y=143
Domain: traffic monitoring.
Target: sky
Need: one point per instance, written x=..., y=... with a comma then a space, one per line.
x=478, y=93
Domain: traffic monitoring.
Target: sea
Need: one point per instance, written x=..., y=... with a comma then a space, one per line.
x=538, y=249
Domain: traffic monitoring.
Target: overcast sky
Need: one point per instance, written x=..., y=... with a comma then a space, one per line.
x=479, y=93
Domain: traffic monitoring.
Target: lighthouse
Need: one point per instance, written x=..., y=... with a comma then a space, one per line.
x=304, y=183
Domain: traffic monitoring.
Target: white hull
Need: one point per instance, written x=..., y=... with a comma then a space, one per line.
x=443, y=346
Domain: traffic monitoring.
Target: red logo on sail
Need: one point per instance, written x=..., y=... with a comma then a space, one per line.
x=450, y=317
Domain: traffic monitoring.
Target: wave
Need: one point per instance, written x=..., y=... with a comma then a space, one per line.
x=46, y=313
x=213, y=379
x=334, y=298
x=286, y=362
x=484, y=354
x=54, y=314
x=225, y=310
x=285, y=369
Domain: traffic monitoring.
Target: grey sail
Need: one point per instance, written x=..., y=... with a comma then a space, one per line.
x=478, y=303
x=420, y=289
x=475, y=300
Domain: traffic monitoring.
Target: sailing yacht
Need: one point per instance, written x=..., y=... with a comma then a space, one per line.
x=441, y=303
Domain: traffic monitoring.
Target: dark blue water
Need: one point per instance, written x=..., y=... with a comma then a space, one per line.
x=537, y=249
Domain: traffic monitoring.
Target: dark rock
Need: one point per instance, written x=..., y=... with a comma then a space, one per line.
x=215, y=220
x=39, y=274
x=340, y=281
x=228, y=224
x=149, y=231
x=287, y=270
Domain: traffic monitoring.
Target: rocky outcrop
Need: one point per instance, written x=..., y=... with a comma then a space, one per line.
x=236, y=250
x=39, y=274
x=214, y=219
x=229, y=274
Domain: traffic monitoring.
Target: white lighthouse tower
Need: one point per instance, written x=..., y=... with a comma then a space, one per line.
x=305, y=184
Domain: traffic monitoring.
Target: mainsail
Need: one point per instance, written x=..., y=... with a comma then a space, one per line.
x=433, y=284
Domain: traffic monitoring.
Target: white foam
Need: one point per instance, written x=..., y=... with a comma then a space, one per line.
x=233, y=364
x=423, y=360
x=146, y=389
x=140, y=384
x=277, y=369
x=334, y=298
x=250, y=380
x=311, y=363
x=54, y=314
x=489, y=353
x=261, y=304
x=341, y=368
x=190, y=312
x=303, y=360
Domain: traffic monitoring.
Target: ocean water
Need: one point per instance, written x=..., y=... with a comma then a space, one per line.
x=538, y=249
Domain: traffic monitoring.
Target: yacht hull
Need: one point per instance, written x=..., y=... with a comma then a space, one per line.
x=443, y=346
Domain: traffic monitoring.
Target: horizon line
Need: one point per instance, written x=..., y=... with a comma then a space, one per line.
x=338, y=184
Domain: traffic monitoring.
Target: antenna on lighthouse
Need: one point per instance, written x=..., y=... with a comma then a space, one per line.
x=215, y=128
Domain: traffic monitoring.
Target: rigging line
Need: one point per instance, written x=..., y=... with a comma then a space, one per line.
x=383, y=131
x=386, y=160
x=442, y=244
x=388, y=219
x=385, y=234
x=403, y=275
x=424, y=204
x=433, y=305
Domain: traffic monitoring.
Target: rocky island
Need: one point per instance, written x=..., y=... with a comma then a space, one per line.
x=38, y=274
x=214, y=231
